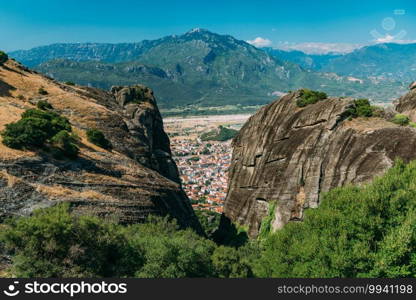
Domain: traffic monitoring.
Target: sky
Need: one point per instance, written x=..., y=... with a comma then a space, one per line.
x=310, y=26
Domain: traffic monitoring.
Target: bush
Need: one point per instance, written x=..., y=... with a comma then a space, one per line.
x=310, y=97
x=54, y=243
x=69, y=83
x=3, y=57
x=232, y=262
x=367, y=231
x=36, y=128
x=96, y=137
x=26, y=133
x=44, y=105
x=361, y=108
x=42, y=91
x=401, y=120
x=221, y=134
x=64, y=145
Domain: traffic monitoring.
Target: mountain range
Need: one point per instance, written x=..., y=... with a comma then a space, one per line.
x=208, y=69
x=381, y=61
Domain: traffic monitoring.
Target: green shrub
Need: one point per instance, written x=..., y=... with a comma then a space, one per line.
x=42, y=91
x=401, y=120
x=26, y=133
x=37, y=128
x=230, y=262
x=361, y=108
x=69, y=83
x=3, y=57
x=44, y=105
x=310, y=97
x=366, y=231
x=54, y=243
x=64, y=145
x=98, y=138
x=221, y=134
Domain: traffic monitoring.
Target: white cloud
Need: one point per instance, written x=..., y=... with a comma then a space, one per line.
x=392, y=39
x=260, y=42
x=319, y=48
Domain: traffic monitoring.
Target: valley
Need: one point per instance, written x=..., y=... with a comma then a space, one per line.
x=203, y=165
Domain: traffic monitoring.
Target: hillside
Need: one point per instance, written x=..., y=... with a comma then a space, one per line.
x=199, y=68
x=386, y=61
x=127, y=182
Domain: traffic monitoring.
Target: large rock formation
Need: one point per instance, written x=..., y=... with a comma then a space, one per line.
x=137, y=178
x=407, y=103
x=290, y=155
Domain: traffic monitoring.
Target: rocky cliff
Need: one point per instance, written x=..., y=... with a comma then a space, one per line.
x=407, y=103
x=136, y=178
x=290, y=155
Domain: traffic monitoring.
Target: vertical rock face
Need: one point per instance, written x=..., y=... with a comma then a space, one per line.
x=289, y=155
x=145, y=124
x=136, y=178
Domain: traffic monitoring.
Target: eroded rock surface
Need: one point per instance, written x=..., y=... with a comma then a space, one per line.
x=290, y=155
x=136, y=178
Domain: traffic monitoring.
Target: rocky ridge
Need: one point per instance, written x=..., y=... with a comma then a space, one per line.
x=289, y=155
x=136, y=178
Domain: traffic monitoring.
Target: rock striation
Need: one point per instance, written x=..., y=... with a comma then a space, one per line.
x=136, y=178
x=290, y=155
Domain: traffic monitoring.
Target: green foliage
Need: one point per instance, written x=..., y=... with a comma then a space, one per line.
x=221, y=134
x=230, y=262
x=98, y=138
x=401, y=120
x=64, y=145
x=69, y=83
x=362, y=108
x=209, y=220
x=42, y=91
x=37, y=128
x=171, y=253
x=53, y=243
x=367, y=231
x=310, y=97
x=26, y=133
x=266, y=224
x=44, y=105
x=3, y=57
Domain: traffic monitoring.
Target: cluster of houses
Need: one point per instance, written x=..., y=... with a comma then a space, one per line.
x=203, y=167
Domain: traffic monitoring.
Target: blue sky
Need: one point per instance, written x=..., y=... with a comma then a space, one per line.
x=293, y=23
